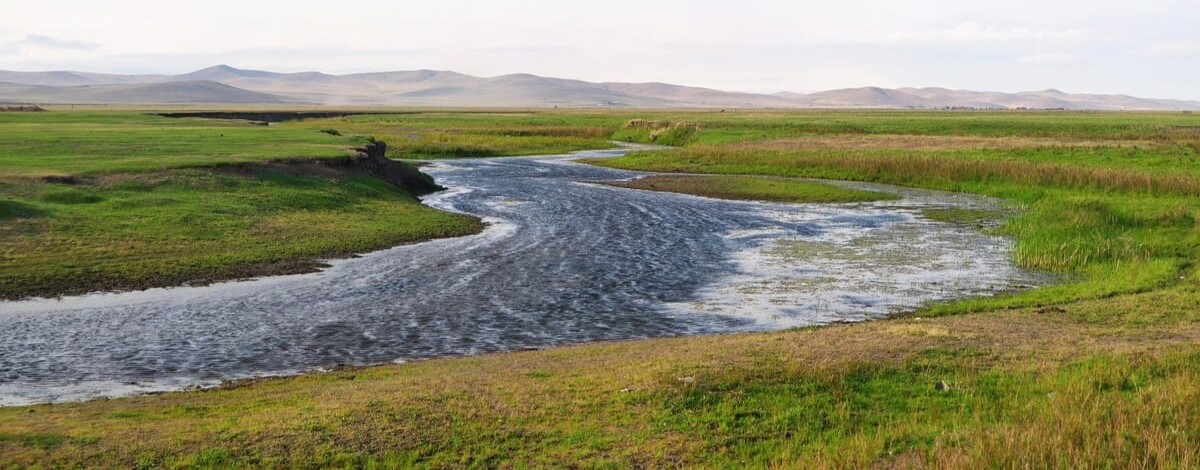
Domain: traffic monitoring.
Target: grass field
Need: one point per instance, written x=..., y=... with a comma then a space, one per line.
x=1099, y=371
x=99, y=201
x=430, y=135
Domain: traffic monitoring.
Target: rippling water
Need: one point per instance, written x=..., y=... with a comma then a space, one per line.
x=563, y=261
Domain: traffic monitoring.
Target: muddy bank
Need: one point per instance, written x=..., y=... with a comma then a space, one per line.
x=372, y=159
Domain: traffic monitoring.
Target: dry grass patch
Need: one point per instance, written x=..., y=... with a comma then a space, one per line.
x=902, y=168
x=754, y=188
x=928, y=143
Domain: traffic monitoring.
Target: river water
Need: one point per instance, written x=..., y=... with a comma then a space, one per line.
x=563, y=261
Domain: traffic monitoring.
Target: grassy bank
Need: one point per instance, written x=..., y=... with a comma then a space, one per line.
x=753, y=189
x=1081, y=387
x=99, y=201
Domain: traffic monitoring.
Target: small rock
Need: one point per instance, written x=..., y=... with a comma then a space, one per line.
x=626, y=390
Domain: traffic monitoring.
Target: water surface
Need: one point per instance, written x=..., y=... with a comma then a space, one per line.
x=562, y=261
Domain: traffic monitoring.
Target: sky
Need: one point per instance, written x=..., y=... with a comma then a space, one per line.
x=1148, y=48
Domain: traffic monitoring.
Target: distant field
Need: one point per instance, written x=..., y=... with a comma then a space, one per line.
x=65, y=143
x=1101, y=370
x=461, y=135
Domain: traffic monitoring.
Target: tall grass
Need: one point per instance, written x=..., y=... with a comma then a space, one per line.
x=914, y=168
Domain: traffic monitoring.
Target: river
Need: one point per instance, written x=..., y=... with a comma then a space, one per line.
x=562, y=261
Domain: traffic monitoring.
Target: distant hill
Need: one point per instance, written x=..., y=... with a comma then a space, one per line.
x=192, y=91
x=225, y=84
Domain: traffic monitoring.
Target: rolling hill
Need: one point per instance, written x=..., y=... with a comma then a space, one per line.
x=169, y=92
x=225, y=84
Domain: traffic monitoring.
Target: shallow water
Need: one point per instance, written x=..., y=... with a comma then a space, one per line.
x=563, y=261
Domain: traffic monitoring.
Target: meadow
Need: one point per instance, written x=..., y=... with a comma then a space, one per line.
x=1100, y=370
x=434, y=134
x=118, y=201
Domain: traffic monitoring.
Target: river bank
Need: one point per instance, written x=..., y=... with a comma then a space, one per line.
x=124, y=201
x=563, y=261
x=1011, y=388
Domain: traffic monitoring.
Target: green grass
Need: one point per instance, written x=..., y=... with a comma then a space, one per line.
x=59, y=143
x=147, y=201
x=754, y=188
x=978, y=218
x=432, y=135
x=174, y=226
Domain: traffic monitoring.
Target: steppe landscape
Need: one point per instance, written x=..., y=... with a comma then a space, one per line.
x=269, y=266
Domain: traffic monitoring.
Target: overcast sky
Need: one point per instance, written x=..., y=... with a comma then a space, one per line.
x=1143, y=47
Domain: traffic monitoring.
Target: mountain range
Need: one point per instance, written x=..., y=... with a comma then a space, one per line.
x=223, y=84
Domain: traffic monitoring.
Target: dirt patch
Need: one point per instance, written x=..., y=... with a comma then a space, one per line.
x=60, y=179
